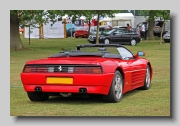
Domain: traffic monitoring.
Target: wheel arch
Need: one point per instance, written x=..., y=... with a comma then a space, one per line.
x=133, y=38
x=122, y=73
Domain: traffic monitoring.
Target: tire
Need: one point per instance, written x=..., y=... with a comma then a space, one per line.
x=106, y=41
x=37, y=96
x=76, y=36
x=133, y=42
x=147, y=80
x=116, y=90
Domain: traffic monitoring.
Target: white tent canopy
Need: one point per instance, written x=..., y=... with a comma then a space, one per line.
x=119, y=16
x=120, y=19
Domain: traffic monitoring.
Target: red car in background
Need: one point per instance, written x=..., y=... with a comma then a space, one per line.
x=99, y=72
x=81, y=32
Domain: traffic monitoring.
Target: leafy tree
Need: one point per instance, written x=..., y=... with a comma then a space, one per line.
x=104, y=13
x=151, y=18
x=74, y=14
x=88, y=14
x=165, y=15
x=23, y=17
x=38, y=17
x=15, y=41
x=153, y=14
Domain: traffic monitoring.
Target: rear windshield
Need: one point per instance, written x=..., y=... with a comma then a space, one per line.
x=81, y=28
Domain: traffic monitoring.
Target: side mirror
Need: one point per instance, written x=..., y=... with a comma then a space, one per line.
x=140, y=53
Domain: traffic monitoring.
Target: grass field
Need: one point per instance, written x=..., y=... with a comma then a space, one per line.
x=152, y=102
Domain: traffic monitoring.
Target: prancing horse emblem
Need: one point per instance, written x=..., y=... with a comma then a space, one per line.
x=60, y=68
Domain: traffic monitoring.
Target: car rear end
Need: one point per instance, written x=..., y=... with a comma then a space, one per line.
x=67, y=76
x=166, y=37
x=92, y=39
x=81, y=32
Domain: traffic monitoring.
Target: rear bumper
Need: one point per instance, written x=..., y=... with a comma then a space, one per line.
x=84, y=35
x=167, y=38
x=68, y=89
x=94, y=83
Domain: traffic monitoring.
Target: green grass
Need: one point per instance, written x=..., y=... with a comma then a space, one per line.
x=152, y=102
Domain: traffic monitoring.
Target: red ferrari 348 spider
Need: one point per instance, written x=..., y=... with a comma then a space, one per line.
x=108, y=73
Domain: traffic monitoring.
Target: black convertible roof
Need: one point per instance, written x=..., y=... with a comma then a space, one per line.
x=98, y=45
x=77, y=52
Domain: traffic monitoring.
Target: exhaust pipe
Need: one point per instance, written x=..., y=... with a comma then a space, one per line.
x=38, y=89
x=82, y=90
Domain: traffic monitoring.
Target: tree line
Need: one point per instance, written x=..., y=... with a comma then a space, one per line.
x=34, y=17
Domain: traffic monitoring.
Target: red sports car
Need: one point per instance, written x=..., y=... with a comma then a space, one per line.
x=81, y=32
x=107, y=73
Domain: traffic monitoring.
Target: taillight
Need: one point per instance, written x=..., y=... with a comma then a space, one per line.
x=97, y=70
x=90, y=70
x=30, y=69
x=63, y=69
x=41, y=69
x=80, y=70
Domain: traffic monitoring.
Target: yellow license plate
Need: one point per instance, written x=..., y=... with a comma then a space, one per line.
x=157, y=28
x=58, y=80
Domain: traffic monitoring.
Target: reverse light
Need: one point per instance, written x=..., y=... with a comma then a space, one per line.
x=70, y=69
x=50, y=69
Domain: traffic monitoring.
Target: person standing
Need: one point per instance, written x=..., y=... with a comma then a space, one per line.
x=143, y=31
x=128, y=27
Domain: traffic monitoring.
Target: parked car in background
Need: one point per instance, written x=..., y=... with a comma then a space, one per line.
x=21, y=30
x=101, y=29
x=157, y=27
x=70, y=32
x=81, y=31
x=119, y=27
x=118, y=35
x=108, y=70
x=167, y=37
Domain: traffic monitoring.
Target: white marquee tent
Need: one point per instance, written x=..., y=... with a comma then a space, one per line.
x=120, y=19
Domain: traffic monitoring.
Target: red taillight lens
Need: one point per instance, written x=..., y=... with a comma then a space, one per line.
x=90, y=70
x=80, y=70
x=41, y=69
x=65, y=69
x=30, y=69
